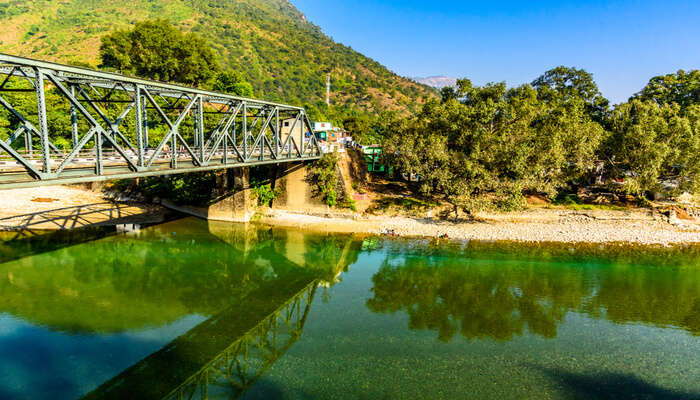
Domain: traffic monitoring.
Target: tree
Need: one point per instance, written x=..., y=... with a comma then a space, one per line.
x=491, y=143
x=232, y=82
x=569, y=83
x=649, y=143
x=682, y=88
x=448, y=93
x=322, y=174
x=155, y=49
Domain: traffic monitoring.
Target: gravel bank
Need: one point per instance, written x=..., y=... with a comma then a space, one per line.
x=542, y=225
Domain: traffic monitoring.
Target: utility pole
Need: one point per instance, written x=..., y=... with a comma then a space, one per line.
x=328, y=89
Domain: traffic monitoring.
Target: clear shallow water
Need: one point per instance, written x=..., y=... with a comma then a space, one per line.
x=199, y=309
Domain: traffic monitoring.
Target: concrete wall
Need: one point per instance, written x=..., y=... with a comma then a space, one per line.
x=236, y=207
x=296, y=193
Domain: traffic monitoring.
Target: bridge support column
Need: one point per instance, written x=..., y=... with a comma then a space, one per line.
x=236, y=207
x=296, y=193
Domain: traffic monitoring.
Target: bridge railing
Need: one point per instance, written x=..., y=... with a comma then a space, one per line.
x=70, y=124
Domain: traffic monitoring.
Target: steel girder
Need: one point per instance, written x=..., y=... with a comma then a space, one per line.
x=125, y=127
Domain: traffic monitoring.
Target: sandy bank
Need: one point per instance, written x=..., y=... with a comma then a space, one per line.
x=68, y=207
x=541, y=225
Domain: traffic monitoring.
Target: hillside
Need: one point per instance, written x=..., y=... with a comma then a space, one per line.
x=437, y=82
x=285, y=57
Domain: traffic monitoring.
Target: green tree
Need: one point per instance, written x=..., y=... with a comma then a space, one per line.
x=496, y=142
x=322, y=173
x=682, y=88
x=155, y=49
x=232, y=82
x=649, y=143
x=569, y=83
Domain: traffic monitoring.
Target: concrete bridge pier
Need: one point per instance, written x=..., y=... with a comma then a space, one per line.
x=297, y=193
x=235, y=207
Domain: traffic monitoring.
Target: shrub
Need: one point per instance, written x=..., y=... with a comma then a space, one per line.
x=265, y=194
x=322, y=174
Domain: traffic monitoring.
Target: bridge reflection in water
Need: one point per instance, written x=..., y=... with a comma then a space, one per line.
x=248, y=289
x=223, y=356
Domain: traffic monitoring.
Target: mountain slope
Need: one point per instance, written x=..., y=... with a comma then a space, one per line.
x=437, y=82
x=283, y=56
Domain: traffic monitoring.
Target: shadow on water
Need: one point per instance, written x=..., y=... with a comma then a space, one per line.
x=267, y=389
x=19, y=244
x=611, y=386
x=223, y=356
x=29, y=234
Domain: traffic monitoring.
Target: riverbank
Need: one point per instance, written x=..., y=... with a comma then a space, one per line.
x=69, y=207
x=538, y=225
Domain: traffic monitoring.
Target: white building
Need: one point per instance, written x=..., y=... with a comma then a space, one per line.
x=322, y=126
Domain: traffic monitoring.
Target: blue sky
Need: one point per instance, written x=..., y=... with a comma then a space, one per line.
x=623, y=43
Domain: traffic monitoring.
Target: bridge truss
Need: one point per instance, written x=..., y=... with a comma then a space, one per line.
x=67, y=124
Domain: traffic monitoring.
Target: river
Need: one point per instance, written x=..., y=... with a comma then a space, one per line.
x=196, y=309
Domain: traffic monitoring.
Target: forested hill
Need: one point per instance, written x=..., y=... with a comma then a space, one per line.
x=283, y=56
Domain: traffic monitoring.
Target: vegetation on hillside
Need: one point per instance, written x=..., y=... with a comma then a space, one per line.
x=157, y=50
x=269, y=42
x=486, y=145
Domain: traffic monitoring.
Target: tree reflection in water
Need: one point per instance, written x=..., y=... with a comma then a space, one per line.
x=481, y=292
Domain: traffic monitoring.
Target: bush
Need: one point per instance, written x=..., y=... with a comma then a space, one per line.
x=322, y=174
x=349, y=203
x=192, y=189
x=265, y=194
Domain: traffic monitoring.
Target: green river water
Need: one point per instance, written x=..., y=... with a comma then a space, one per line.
x=196, y=309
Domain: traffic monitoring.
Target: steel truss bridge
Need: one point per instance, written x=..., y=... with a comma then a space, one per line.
x=69, y=124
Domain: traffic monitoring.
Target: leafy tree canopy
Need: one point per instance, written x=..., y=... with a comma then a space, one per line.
x=569, y=83
x=155, y=49
x=653, y=143
x=232, y=82
x=682, y=88
x=494, y=140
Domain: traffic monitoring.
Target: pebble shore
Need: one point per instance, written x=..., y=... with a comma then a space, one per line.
x=562, y=226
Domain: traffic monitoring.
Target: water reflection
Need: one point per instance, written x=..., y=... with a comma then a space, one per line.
x=223, y=356
x=252, y=287
x=479, y=291
x=157, y=276
x=190, y=309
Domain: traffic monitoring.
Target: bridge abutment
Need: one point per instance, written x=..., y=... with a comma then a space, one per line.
x=235, y=207
x=295, y=191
